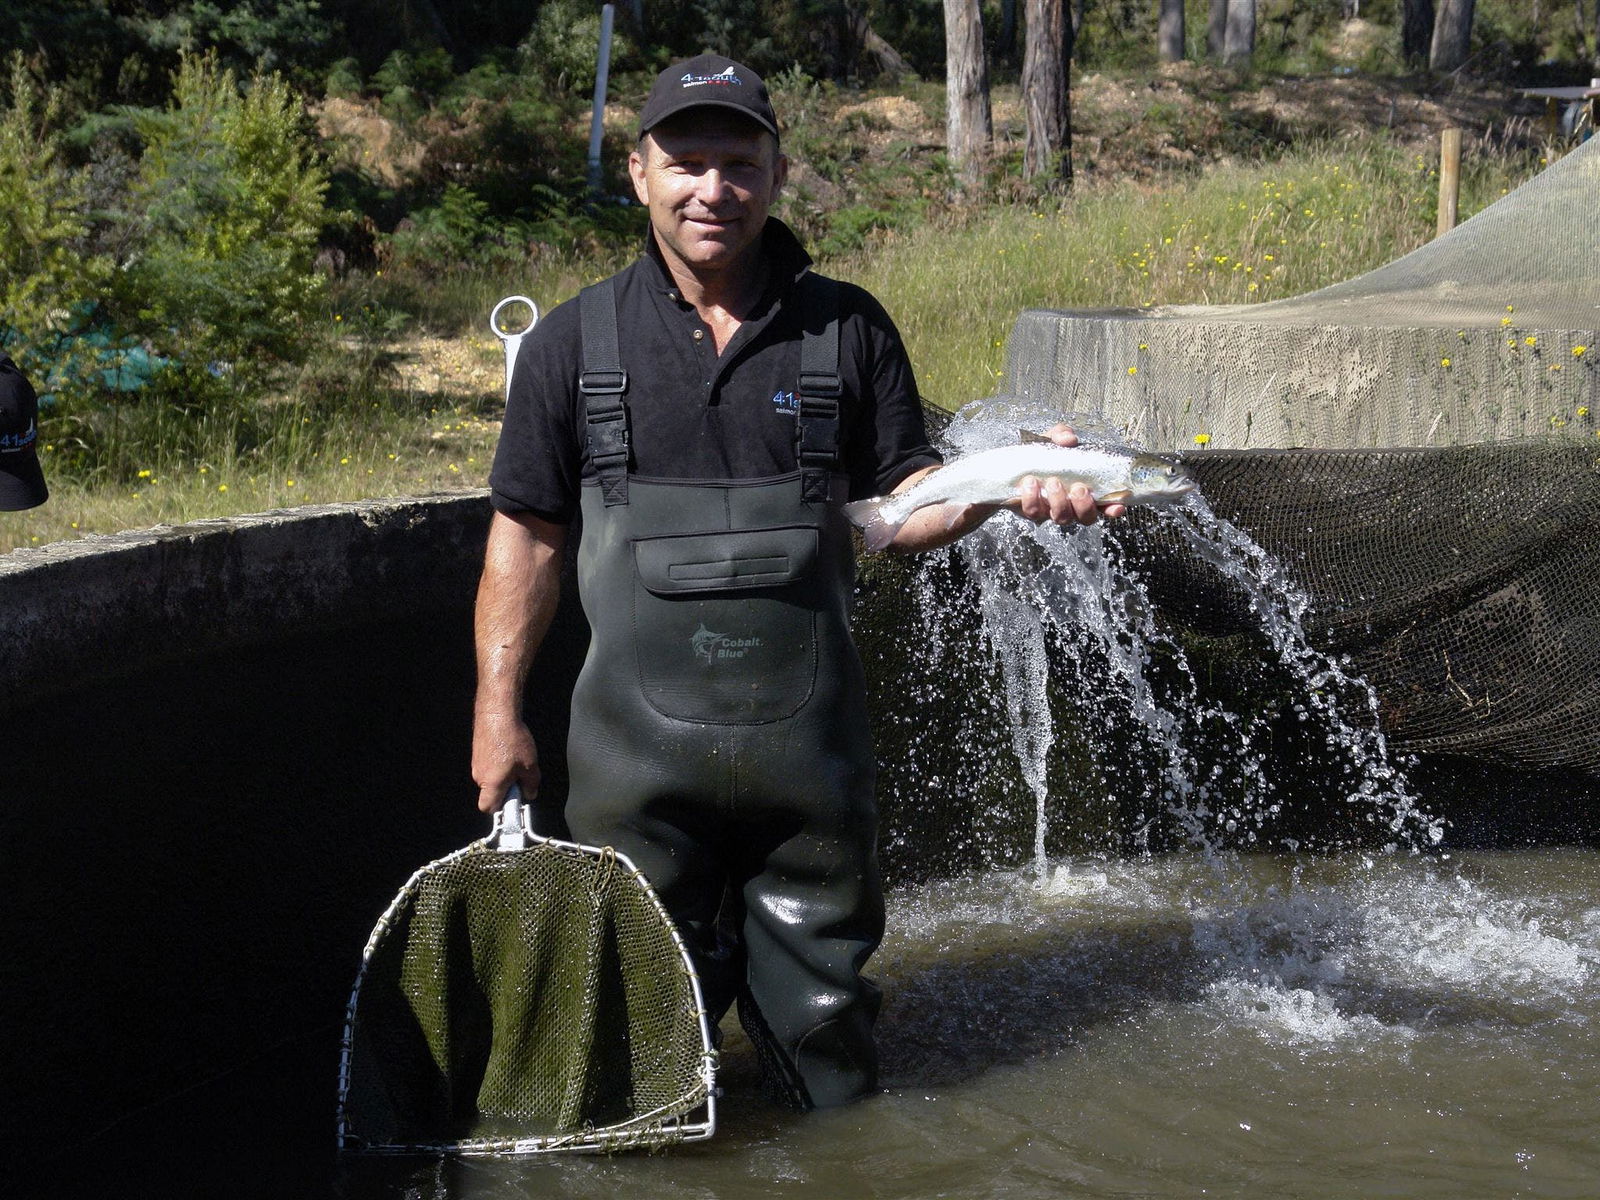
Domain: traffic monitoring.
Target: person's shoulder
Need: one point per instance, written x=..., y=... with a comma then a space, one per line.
x=562, y=323
x=861, y=313
x=854, y=300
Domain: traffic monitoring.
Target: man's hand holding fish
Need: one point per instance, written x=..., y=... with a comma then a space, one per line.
x=1046, y=480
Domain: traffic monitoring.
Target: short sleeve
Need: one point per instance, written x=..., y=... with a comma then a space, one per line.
x=889, y=438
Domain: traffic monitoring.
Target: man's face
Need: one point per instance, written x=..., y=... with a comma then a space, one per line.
x=708, y=177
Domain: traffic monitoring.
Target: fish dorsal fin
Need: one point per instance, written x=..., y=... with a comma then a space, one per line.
x=1029, y=438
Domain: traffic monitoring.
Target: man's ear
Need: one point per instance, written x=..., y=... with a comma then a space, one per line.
x=780, y=174
x=641, y=186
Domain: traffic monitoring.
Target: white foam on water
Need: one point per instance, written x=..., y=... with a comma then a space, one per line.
x=1456, y=932
x=1296, y=1016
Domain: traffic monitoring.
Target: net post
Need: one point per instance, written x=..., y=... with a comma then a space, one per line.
x=1449, y=179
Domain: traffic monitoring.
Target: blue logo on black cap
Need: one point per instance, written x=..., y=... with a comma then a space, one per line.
x=724, y=78
x=12, y=442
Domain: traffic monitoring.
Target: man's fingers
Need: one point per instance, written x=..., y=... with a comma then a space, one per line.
x=492, y=795
x=1032, y=504
x=1077, y=505
x=1061, y=434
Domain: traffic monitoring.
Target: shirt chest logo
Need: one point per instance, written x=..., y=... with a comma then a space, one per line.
x=785, y=402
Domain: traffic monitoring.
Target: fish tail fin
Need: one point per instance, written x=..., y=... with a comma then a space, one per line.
x=876, y=529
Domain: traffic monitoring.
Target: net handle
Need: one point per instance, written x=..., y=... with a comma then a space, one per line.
x=510, y=829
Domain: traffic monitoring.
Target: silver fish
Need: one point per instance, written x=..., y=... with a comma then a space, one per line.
x=991, y=477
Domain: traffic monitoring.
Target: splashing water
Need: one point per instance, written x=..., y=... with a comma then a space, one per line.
x=1070, y=621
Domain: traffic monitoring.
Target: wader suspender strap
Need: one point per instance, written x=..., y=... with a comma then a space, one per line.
x=817, y=422
x=603, y=383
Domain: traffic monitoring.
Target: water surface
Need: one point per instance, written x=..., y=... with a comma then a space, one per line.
x=1263, y=1025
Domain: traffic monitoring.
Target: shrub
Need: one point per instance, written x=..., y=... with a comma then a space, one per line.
x=565, y=44
x=46, y=273
x=231, y=197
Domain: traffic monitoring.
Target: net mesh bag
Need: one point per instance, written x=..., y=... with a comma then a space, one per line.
x=1418, y=446
x=519, y=1001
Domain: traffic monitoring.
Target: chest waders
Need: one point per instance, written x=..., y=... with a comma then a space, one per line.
x=719, y=730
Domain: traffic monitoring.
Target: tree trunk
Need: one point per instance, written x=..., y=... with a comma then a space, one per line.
x=1046, y=101
x=889, y=63
x=1416, y=30
x=1452, y=35
x=1217, y=29
x=968, y=125
x=1006, y=45
x=1170, y=33
x=1240, y=42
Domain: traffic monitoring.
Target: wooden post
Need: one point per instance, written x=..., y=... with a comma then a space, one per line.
x=1449, y=179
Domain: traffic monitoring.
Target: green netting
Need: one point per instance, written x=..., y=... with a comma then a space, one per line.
x=524, y=1000
x=1417, y=445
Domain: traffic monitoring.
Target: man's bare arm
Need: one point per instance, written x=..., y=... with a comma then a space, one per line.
x=517, y=597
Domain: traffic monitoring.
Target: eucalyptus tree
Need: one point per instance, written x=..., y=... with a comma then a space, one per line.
x=1416, y=29
x=1046, y=98
x=1240, y=41
x=969, y=125
x=1170, y=32
x=1452, y=35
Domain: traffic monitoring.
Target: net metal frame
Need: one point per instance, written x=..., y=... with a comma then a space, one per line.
x=690, y=1117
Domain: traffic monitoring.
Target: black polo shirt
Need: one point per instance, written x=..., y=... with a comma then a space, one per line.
x=695, y=415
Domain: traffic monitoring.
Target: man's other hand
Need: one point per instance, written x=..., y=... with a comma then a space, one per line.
x=503, y=753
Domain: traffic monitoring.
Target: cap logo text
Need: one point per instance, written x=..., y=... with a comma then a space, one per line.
x=725, y=78
x=20, y=441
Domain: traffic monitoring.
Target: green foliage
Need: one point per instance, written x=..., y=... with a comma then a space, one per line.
x=456, y=230
x=564, y=44
x=263, y=33
x=231, y=197
x=408, y=81
x=344, y=78
x=46, y=272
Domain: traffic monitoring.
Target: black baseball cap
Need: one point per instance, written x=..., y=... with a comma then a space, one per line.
x=708, y=81
x=21, y=480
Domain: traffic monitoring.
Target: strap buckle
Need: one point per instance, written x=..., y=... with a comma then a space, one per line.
x=824, y=385
x=603, y=383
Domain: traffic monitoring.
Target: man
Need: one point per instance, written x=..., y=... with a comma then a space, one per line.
x=708, y=411
x=21, y=479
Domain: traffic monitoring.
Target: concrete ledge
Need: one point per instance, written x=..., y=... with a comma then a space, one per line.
x=104, y=606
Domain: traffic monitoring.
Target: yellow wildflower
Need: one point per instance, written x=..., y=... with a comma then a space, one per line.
x=1579, y=351
x=1202, y=439
x=1444, y=362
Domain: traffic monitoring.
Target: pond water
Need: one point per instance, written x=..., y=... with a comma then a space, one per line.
x=1270, y=1025
x=1220, y=1000
x=1243, y=958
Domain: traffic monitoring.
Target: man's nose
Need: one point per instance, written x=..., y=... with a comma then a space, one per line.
x=714, y=187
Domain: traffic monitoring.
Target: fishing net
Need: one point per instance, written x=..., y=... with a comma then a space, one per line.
x=525, y=1000
x=1417, y=445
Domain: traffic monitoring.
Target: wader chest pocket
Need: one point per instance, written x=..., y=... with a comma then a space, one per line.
x=722, y=624
x=727, y=561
